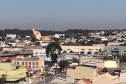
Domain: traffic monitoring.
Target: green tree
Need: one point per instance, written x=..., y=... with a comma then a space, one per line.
x=75, y=60
x=2, y=80
x=53, y=50
x=104, y=70
x=63, y=64
x=33, y=39
x=54, y=57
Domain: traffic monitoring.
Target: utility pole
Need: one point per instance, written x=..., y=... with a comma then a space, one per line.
x=43, y=76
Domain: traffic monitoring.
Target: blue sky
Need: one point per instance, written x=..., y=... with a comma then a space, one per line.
x=62, y=14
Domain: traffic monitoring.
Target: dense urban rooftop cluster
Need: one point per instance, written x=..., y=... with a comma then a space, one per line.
x=63, y=57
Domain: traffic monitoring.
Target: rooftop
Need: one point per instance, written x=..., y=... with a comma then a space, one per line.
x=27, y=58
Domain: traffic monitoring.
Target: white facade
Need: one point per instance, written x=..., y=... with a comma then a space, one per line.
x=39, y=52
x=12, y=36
x=115, y=43
x=110, y=64
x=103, y=39
x=123, y=77
x=84, y=49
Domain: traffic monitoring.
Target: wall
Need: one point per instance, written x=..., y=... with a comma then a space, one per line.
x=41, y=63
x=110, y=64
x=11, y=72
x=84, y=49
x=39, y=52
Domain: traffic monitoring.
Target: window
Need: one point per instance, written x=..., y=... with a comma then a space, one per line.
x=17, y=62
x=76, y=54
x=37, y=66
x=26, y=63
x=33, y=63
x=37, y=63
x=29, y=63
x=33, y=66
x=68, y=49
x=116, y=49
x=89, y=53
x=96, y=53
x=82, y=49
x=36, y=52
x=22, y=63
x=29, y=66
x=105, y=50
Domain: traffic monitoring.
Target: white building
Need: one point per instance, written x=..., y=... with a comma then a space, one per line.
x=84, y=49
x=104, y=39
x=39, y=52
x=11, y=36
x=123, y=76
x=115, y=43
x=110, y=64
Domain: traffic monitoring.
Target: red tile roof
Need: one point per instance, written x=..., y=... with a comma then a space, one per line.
x=85, y=80
x=100, y=69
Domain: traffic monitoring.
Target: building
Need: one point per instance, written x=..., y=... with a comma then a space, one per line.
x=12, y=49
x=29, y=62
x=82, y=71
x=12, y=73
x=83, y=49
x=105, y=79
x=9, y=55
x=11, y=36
x=123, y=76
x=62, y=79
x=83, y=81
x=39, y=52
x=110, y=64
x=114, y=50
x=115, y=43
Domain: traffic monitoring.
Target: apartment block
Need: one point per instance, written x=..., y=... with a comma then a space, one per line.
x=29, y=62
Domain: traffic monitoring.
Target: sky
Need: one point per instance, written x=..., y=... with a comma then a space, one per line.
x=62, y=14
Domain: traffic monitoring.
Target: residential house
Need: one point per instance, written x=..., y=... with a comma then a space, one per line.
x=105, y=79
x=83, y=81
x=123, y=76
x=62, y=79
x=110, y=64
